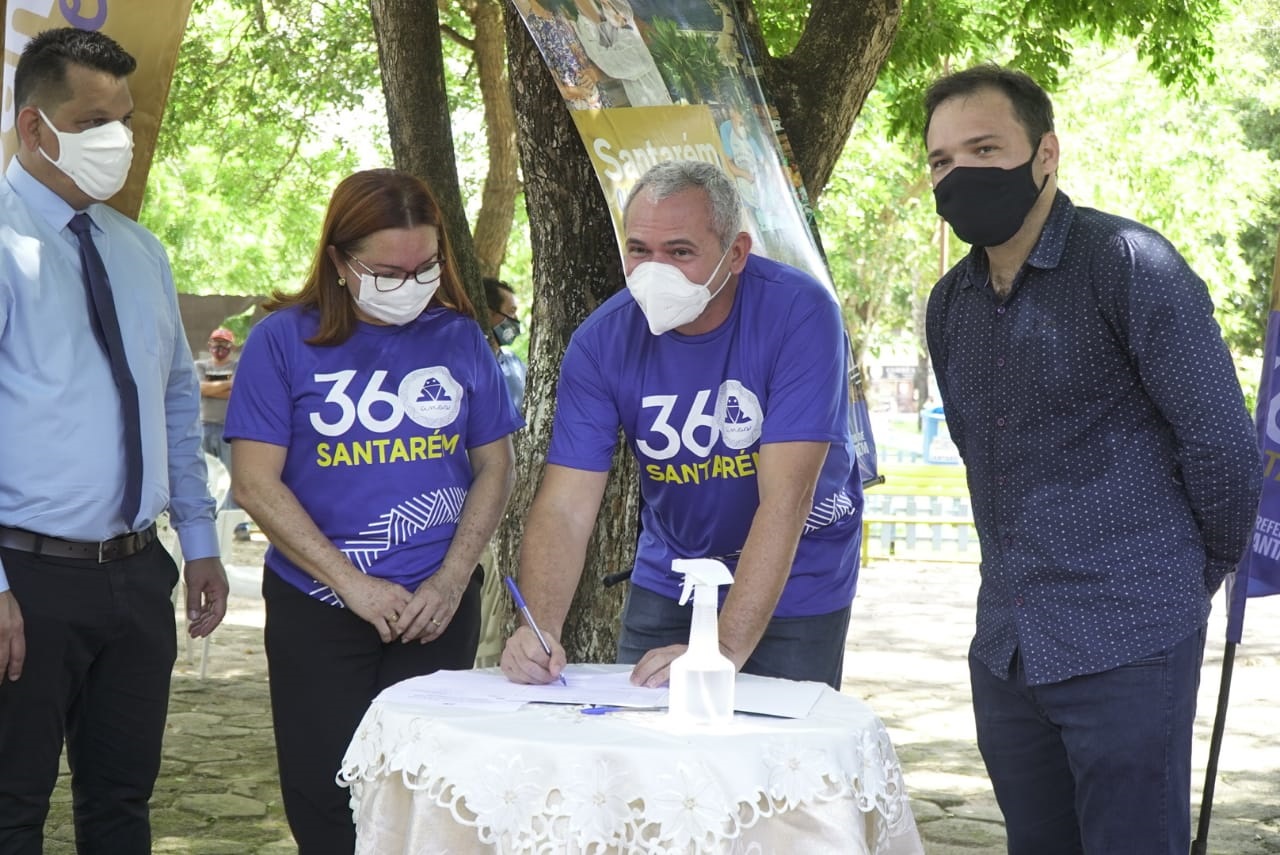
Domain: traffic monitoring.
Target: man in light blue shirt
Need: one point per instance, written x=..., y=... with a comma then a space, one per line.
x=87, y=636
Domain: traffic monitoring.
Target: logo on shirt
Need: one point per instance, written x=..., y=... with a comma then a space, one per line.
x=431, y=397
x=679, y=425
x=738, y=414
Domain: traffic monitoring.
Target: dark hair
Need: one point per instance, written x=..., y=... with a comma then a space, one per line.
x=364, y=203
x=1031, y=104
x=493, y=289
x=42, y=68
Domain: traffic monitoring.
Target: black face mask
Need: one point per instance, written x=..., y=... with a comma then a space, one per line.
x=986, y=205
x=507, y=331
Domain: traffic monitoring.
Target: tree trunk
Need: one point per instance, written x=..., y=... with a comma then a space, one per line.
x=818, y=90
x=576, y=267
x=820, y=86
x=498, y=204
x=409, y=54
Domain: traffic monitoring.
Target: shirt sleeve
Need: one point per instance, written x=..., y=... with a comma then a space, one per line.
x=807, y=390
x=1166, y=315
x=6, y=304
x=191, y=508
x=585, y=432
x=935, y=335
x=492, y=414
x=261, y=407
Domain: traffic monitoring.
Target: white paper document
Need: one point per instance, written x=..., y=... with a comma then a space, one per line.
x=590, y=684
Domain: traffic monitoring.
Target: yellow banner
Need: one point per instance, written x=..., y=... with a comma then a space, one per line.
x=151, y=30
x=625, y=141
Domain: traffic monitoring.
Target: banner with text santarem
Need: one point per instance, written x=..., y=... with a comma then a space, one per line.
x=151, y=30
x=1258, y=573
x=655, y=80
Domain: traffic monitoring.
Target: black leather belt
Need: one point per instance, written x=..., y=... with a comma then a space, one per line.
x=55, y=547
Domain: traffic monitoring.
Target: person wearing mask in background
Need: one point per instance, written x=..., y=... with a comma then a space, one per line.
x=371, y=432
x=505, y=328
x=217, y=374
x=1114, y=473
x=726, y=372
x=99, y=410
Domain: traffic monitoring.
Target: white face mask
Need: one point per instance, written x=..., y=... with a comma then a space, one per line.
x=668, y=298
x=97, y=159
x=398, y=307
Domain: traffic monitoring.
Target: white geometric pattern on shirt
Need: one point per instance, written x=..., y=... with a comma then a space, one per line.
x=403, y=522
x=829, y=510
x=397, y=525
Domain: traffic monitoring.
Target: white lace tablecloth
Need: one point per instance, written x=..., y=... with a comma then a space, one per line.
x=548, y=779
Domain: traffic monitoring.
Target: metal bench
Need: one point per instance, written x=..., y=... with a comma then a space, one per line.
x=921, y=511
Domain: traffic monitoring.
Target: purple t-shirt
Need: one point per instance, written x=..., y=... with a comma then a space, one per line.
x=377, y=431
x=695, y=411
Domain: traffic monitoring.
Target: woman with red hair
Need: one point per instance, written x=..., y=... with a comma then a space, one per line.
x=372, y=444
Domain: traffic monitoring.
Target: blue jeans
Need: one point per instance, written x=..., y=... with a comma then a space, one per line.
x=1099, y=763
x=802, y=648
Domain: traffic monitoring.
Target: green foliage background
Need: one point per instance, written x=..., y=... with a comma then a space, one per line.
x=274, y=101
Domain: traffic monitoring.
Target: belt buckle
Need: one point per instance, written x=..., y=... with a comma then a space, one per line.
x=109, y=550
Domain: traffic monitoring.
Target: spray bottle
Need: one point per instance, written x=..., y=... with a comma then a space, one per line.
x=702, y=678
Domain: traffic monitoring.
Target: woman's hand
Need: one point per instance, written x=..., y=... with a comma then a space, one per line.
x=433, y=606
x=256, y=477
x=384, y=605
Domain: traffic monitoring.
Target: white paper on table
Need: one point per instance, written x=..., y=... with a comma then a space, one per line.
x=590, y=685
x=459, y=688
x=781, y=698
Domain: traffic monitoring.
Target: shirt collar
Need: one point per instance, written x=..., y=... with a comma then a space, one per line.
x=1046, y=254
x=39, y=198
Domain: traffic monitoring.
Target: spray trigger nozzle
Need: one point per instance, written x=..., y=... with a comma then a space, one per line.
x=705, y=573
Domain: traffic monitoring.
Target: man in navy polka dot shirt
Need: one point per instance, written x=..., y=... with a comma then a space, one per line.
x=1114, y=472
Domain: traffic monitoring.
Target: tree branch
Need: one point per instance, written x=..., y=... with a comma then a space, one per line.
x=820, y=86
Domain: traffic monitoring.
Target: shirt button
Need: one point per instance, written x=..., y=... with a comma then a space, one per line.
x=1000, y=480
x=1008, y=540
x=1018, y=601
x=1000, y=422
x=1000, y=310
x=1000, y=362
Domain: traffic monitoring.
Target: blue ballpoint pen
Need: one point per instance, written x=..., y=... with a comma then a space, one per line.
x=524, y=610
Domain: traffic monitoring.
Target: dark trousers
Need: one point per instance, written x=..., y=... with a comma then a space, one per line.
x=802, y=648
x=326, y=665
x=1095, y=764
x=101, y=642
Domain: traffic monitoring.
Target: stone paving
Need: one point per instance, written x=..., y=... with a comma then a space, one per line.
x=217, y=793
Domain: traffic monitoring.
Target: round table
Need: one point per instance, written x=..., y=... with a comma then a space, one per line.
x=548, y=779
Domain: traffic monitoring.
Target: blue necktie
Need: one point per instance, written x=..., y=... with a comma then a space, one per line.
x=106, y=325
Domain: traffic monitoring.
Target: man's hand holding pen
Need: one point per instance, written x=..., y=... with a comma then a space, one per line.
x=531, y=655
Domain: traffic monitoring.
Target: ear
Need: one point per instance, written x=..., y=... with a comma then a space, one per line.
x=1047, y=154
x=738, y=252
x=30, y=128
x=334, y=258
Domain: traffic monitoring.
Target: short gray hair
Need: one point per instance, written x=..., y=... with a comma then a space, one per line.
x=675, y=176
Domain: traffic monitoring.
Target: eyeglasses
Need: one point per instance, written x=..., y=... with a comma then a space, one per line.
x=219, y=343
x=424, y=275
